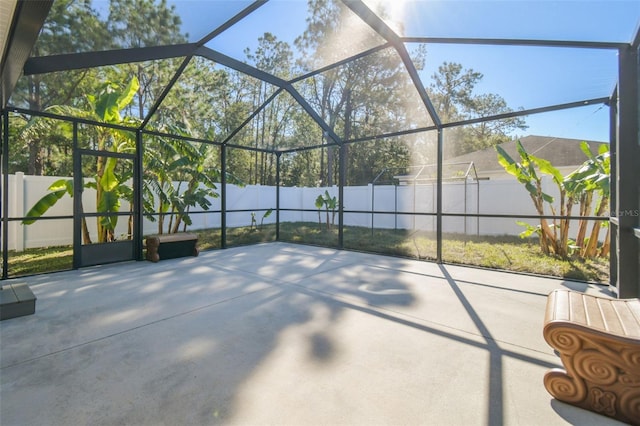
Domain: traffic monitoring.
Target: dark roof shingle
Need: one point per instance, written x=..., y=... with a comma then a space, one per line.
x=562, y=152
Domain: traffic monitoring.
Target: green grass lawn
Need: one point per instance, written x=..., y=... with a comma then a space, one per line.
x=508, y=253
x=39, y=260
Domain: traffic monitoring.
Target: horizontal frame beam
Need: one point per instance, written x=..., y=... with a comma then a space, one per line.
x=517, y=42
x=237, y=65
x=83, y=60
x=512, y=114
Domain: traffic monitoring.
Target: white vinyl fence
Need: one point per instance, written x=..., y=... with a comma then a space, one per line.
x=498, y=196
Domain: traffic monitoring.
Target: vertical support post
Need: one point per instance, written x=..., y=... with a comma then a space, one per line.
x=613, y=189
x=17, y=196
x=278, y=155
x=77, y=200
x=372, y=189
x=341, y=180
x=223, y=196
x=439, y=197
x=413, y=202
x=5, y=197
x=138, y=205
x=628, y=179
x=465, y=207
x=395, y=207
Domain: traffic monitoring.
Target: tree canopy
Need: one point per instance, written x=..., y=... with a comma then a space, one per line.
x=361, y=99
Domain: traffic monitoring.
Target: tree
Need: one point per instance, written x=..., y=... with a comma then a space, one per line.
x=489, y=133
x=452, y=93
x=302, y=168
x=364, y=97
x=270, y=125
x=72, y=26
x=144, y=23
x=55, y=141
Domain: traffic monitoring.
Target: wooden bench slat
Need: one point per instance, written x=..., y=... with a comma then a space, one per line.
x=593, y=313
x=629, y=314
x=576, y=306
x=169, y=238
x=561, y=306
x=610, y=317
x=634, y=308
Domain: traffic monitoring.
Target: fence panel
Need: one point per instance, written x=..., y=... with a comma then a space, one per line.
x=498, y=196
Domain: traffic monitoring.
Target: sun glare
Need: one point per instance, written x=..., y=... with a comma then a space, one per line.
x=391, y=11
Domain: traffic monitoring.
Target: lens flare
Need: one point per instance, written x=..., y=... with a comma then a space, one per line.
x=391, y=11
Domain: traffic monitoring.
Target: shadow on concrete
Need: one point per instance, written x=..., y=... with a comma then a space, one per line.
x=177, y=342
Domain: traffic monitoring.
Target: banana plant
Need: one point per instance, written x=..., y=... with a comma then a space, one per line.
x=264, y=216
x=168, y=161
x=577, y=187
x=330, y=204
x=319, y=203
x=254, y=222
x=593, y=177
x=525, y=172
x=109, y=181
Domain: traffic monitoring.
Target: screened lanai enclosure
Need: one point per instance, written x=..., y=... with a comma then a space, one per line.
x=491, y=133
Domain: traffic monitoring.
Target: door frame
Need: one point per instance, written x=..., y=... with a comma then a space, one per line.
x=101, y=253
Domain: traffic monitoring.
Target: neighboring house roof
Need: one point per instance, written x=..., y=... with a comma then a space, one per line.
x=562, y=152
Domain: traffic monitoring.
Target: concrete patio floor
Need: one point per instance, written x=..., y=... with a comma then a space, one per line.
x=283, y=334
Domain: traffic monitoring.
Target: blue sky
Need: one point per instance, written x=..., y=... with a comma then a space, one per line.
x=527, y=77
x=610, y=20
x=532, y=77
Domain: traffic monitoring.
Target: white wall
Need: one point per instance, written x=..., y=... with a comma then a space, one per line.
x=500, y=196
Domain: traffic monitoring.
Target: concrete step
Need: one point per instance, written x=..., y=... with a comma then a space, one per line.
x=16, y=300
